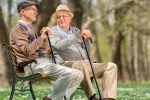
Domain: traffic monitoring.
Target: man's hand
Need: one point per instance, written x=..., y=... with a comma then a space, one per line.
x=45, y=32
x=84, y=33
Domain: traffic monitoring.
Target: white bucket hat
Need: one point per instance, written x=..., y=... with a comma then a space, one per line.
x=62, y=8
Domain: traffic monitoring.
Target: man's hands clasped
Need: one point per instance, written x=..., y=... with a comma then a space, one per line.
x=45, y=32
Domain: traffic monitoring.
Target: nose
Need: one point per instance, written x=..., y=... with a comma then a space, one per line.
x=36, y=12
x=61, y=17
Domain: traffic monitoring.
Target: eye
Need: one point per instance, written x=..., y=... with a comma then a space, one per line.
x=34, y=9
x=63, y=16
x=58, y=17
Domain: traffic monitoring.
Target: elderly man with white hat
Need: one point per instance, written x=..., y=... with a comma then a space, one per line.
x=28, y=46
x=69, y=51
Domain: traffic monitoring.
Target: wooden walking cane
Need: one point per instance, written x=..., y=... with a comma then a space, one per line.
x=99, y=93
x=51, y=50
x=53, y=57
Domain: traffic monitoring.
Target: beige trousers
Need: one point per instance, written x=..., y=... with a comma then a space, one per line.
x=66, y=79
x=108, y=72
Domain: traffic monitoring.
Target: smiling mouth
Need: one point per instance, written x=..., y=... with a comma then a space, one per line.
x=34, y=16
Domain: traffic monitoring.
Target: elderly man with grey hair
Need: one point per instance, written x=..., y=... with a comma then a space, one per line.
x=69, y=50
x=27, y=46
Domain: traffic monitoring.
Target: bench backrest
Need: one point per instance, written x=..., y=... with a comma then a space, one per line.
x=12, y=59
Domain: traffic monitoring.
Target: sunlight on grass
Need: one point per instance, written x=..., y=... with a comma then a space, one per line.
x=125, y=91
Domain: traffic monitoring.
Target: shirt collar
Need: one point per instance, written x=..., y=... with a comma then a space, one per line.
x=25, y=23
x=65, y=29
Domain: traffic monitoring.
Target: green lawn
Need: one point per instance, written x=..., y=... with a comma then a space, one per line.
x=125, y=91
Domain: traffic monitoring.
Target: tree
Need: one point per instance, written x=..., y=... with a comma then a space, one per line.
x=5, y=78
x=47, y=7
x=9, y=13
x=80, y=9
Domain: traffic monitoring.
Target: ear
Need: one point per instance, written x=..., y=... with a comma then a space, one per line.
x=70, y=18
x=21, y=11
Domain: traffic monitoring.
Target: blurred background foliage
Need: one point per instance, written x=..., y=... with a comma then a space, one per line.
x=120, y=32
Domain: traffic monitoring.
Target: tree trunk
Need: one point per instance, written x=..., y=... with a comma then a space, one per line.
x=145, y=57
x=135, y=52
x=95, y=52
x=141, y=68
x=148, y=55
x=77, y=9
x=5, y=70
x=116, y=51
x=47, y=7
x=130, y=56
x=125, y=74
x=9, y=13
x=120, y=14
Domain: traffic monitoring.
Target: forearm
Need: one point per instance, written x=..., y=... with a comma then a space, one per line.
x=29, y=48
x=62, y=44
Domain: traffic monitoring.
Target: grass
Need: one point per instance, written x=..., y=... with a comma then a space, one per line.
x=125, y=91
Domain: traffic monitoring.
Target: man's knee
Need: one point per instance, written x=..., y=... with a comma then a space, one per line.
x=77, y=73
x=67, y=74
x=112, y=66
x=80, y=65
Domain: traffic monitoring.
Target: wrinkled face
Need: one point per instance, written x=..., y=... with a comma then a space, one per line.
x=63, y=19
x=29, y=13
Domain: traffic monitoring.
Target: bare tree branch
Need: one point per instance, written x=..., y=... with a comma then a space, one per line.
x=120, y=5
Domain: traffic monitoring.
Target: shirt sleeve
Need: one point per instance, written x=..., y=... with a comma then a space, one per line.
x=62, y=43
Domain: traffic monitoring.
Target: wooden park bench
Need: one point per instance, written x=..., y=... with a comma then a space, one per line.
x=19, y=75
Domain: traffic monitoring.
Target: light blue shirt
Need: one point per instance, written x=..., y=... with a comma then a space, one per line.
x=67, y=44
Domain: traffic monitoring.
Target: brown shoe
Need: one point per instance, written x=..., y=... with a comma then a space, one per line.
x=93, y=98
x=46, y=98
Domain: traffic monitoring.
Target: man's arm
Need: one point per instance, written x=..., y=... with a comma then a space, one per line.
x=21, y=40
x=60, y=43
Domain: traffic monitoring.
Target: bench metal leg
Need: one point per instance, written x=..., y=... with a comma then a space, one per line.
x=31, y=90
x=13, y=89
